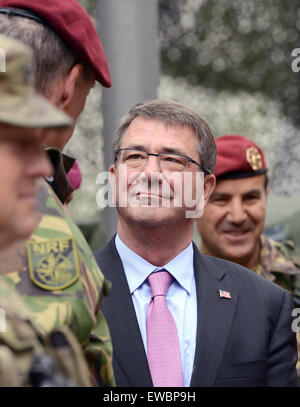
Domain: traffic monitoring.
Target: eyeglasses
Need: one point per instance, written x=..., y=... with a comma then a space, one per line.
x=167, y=161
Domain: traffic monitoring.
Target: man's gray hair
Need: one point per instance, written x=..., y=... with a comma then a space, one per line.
x=53, y=58
x=172, y=113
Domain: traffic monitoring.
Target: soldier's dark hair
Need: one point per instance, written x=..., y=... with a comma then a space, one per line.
x=172, y=113
x=53, y=58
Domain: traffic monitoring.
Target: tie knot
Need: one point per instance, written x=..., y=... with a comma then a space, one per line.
x=160, y=282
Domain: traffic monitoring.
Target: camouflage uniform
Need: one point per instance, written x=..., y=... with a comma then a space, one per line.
x=28, y=360
x=55, y=271
x=277, y=264
x=20, y=106
x=60, y=282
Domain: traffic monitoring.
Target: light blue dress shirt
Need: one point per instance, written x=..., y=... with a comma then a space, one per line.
x=181, y=297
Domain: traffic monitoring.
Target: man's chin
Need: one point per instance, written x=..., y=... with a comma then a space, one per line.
x=237, y=239
x=28, y=223
x=148, y=215
x=17, y=234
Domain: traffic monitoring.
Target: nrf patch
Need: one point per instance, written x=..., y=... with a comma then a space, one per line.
x=53, y=264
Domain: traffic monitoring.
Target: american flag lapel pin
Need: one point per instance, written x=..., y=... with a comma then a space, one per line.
x=224, y=294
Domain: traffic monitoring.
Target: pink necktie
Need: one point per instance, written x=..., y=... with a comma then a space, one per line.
x=163, y=349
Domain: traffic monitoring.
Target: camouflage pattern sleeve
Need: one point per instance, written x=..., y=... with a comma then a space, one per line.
x=99, y=344
x=296, y=294
x=276, y=263
x=59, y=280
x=26, y=358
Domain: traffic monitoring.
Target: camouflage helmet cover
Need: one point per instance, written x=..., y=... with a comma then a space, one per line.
x=20, y=105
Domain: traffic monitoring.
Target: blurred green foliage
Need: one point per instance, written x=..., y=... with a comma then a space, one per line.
x=89, y=5
x=234, y=45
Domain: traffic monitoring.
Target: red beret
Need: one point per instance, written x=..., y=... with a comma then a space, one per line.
x=238, y=157
x=73, y=24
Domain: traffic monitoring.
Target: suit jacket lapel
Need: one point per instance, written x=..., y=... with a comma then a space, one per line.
x=129, y=351
x=215, y=316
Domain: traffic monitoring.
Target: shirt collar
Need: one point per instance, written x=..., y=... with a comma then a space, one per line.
x=138, y=269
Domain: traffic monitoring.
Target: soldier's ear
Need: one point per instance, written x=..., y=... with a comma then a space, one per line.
x=62, y=91
x=69, y=87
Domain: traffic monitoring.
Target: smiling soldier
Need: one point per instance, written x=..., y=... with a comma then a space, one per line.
x=233, y=222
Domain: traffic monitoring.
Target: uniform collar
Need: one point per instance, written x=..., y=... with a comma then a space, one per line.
x=62, y=164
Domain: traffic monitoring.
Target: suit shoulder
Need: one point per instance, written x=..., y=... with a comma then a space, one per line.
x=241, y=275
x=100, y=254
x=107, y=255
x=252, y=288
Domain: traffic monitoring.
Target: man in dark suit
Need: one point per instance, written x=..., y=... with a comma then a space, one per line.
x=179, y=318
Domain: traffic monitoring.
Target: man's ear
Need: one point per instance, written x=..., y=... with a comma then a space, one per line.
x=112, y=176
x=112, y=169
x=113, y=186
x=70, y=82
x=209, y=186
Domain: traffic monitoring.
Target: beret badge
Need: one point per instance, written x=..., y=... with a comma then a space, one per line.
x=254, y=158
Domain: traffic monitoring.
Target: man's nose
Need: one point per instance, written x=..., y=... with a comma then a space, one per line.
x=152, y=165
x=236, y=212
x=151, y=173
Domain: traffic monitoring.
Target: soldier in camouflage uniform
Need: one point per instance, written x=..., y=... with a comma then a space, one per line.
x=55, y=271
x=233, y=221
x=22, y=157
x=26, y=359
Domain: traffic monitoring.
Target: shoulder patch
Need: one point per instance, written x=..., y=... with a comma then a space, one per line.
x=53, y=264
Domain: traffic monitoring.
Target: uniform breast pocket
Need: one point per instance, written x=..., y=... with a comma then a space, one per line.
x=242, y=374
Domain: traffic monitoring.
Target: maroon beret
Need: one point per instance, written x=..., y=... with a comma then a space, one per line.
x=74, y=25
x=238, y=157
